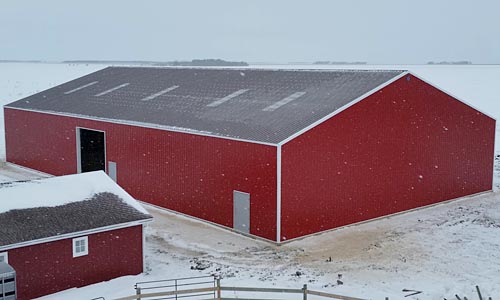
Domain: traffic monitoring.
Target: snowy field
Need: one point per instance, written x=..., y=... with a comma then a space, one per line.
x=442, y=251
x=18, y=80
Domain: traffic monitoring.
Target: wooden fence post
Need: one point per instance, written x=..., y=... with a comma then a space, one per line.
x=304, y=289
x=138, y=292
x=218, y=289
x=175, y=283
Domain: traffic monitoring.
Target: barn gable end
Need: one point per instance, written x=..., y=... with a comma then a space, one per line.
x=407, y=145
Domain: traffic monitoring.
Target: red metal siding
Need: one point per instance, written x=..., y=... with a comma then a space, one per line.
x=39, y=142
x=192, y=174
x=406, y=146
x=50, y=267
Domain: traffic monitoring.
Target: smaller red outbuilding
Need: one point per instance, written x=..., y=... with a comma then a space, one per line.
x=64, y=232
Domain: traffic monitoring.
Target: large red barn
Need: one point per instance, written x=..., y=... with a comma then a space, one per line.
x=272, y=153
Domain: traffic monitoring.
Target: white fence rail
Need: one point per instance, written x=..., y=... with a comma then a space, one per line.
x=179, y=289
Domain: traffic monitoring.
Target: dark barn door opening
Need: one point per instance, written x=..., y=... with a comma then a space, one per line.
x=92, y=150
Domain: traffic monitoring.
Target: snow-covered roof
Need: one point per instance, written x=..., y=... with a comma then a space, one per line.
x=38, y=209
x=55, y=191
x=265, y=106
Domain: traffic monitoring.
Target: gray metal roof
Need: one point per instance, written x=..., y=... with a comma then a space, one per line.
x=103, y=209
x=258, y=105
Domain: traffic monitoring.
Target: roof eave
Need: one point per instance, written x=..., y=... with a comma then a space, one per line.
x=143, y=125
x=76, y=234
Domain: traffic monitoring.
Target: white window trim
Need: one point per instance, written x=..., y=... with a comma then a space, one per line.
x=5, y=256
x=85, y=239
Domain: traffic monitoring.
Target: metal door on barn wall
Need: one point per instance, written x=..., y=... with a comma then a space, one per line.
x=241, y=211
x=91, y=147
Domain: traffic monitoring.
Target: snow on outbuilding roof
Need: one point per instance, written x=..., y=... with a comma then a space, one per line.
x=258, y=105
x=44, y=208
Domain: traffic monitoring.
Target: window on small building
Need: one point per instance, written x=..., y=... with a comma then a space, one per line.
x=4, y=257
x=80, y=246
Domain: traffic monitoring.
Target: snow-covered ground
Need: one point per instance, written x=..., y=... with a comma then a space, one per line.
x=442, y=251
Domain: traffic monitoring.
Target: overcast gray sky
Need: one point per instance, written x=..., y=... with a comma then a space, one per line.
x=381, y=31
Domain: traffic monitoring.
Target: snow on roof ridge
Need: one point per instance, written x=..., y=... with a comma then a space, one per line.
x=61, y=190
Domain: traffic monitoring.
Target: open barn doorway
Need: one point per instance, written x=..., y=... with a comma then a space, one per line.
x=91, y=146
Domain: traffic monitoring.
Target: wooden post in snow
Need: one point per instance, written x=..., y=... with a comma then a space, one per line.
x=138, y=292
x=218, y=289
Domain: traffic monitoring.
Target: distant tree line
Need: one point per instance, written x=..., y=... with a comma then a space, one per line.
x=194, y=62
x=19, y=61
x=321, y=62
x=110, y=62
x=208, y=62
x=461, y=62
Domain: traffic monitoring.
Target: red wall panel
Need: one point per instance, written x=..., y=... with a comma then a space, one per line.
x=407, y=145
x=192, y=174
x=50, y=267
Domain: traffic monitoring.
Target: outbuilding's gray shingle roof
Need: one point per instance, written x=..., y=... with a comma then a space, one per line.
x=104, y=209
x=259, y=105
x=47, y=208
